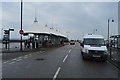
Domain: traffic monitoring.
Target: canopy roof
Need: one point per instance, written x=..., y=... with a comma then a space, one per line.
x=38, y=29
x=115, y=36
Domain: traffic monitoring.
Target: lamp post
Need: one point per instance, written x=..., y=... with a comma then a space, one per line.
x=108, y=29
x=21, y=26
x=108, y=35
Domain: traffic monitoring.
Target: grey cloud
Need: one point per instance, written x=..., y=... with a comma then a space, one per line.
x=76, y=17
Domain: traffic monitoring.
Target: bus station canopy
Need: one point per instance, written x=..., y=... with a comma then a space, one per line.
x=115, y=36
x=38, y=29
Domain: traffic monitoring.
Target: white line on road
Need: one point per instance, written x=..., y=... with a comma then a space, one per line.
x=26, y=55
x=55, y=76
x=14, y=59
x=69, y=50
x=5, y=62
x=18, y=59
x=29, y=54
x=65, y=58
x=11, y=62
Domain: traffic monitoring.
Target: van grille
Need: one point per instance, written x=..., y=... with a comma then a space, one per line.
x=96, y=52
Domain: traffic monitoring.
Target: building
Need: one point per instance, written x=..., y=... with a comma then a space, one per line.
x=43, y=36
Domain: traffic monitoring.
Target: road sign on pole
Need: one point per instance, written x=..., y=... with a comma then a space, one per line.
x=5, y=37
x=21, y=32
x=6, y=31
x=11, y=29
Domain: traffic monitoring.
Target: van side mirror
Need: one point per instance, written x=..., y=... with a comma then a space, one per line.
x=82, y=44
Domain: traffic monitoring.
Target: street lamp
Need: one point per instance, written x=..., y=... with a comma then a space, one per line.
x=21, y=25
x=108, y=29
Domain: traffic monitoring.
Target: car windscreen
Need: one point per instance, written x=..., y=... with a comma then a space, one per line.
x=92, y=41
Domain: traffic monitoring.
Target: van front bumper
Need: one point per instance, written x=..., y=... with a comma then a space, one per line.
x=95, y=56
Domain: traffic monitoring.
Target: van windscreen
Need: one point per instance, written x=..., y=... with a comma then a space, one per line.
x=91, y=41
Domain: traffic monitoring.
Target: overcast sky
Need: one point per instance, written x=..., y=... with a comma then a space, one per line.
x=75, y=18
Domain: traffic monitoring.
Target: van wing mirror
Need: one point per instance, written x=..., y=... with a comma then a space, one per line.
x=82, y=44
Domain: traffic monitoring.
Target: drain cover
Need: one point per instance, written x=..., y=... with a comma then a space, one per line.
x=40, y=59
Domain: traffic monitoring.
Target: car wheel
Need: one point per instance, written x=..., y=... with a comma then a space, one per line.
x=104, y=60
x=81, y=52
x=83, y=57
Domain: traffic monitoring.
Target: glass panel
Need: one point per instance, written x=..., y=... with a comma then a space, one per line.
x=94, y=41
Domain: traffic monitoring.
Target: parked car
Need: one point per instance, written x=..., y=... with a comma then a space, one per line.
x=93, y=47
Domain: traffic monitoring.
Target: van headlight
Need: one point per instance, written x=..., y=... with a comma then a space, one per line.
x=86, y=51
x=106, y=52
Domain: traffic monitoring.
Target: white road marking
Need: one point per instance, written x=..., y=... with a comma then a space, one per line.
x=11, y=62
x=5, y=62
x=14, y=59
x=65, y=58
x=57, y=72
x=69, y=50
x=18, y=59
x=29, y=54
x=40, y=51
x=26, y=55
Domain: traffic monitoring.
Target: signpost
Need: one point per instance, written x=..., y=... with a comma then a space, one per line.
x=6, y=38
x=6, y=31
x=21, y=32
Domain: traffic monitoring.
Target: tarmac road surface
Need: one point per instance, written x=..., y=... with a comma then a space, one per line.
x=62, y=62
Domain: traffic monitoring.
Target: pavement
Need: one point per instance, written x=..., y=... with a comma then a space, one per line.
x=115, y=56
x=59, y=63
x=17, y=49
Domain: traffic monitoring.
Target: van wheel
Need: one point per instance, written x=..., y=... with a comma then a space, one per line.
x=83, y=57
x=104, y=60
x=81, y=52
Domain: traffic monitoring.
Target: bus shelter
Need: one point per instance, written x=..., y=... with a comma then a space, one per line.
x=43, y=36
x=115, y=40
x=37, y=39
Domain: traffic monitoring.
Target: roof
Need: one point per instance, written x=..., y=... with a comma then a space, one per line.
x=93, y=36
x=115, y=36
x=38, y=29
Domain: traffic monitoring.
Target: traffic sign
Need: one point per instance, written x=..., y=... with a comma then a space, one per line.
x=6, y=31
x=21, y=32
x=11, y=29
x=6, y=37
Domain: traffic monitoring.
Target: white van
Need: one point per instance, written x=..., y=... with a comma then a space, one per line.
x=93, y=47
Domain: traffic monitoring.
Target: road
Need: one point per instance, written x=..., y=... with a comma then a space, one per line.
x=62, y=62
